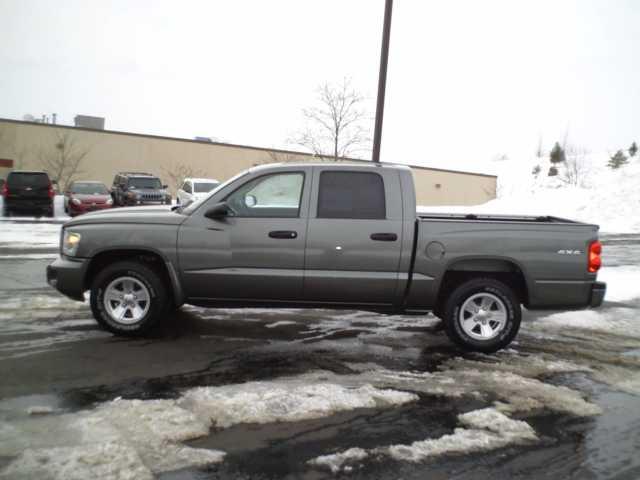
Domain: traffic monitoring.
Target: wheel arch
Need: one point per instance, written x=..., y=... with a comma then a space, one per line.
x=148, y=256
x=504, y=269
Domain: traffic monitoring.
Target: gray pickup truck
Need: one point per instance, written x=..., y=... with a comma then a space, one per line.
x=327, y=235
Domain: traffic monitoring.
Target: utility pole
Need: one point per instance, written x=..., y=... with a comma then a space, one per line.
x=382, y=80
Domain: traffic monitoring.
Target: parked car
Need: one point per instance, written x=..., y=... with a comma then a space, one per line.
x=137, y=188
x=328, y=236
x=28, y=192
x=86, y=196
x=193, y=189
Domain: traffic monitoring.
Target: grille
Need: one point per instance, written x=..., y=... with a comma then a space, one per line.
x=152, y=197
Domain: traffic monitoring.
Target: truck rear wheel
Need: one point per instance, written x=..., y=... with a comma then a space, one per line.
x=128, y=298
x=482, y=315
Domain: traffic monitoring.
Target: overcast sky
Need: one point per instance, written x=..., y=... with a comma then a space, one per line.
x=468, y=80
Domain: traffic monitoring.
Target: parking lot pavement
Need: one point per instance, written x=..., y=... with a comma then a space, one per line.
x=253, y=393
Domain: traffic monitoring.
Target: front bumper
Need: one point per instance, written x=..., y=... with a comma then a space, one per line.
x=598, y=291
x=67, y=276
x=85, y=208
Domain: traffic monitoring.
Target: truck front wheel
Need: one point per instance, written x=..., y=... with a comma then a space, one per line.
x=128, y=298
x=482, y=315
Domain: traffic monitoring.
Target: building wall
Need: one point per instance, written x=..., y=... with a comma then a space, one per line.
x=110, y=152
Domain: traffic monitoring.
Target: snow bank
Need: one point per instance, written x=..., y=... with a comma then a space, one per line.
x=609, y=198
x=618, y=321
x=486, y=429
x=623, y=283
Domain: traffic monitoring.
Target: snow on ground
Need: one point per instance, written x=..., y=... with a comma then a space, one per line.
x=285, y=401
x=606, y=197
x=483, y=430
x=151, y=431
x=29, y=234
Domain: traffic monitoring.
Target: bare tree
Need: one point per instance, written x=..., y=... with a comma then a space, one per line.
x=280, y=157
x=575, y=166
x=540, y=149
x=339, y=125
x=178, y=171
x=63, y=160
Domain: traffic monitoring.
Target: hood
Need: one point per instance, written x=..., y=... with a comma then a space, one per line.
x=160, y=215
x=88, y=198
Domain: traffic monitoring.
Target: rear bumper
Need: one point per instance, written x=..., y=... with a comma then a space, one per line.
x=598, y=291
x=67, y=276
x=29, y=203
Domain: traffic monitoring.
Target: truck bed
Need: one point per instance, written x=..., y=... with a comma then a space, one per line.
x=486, y=217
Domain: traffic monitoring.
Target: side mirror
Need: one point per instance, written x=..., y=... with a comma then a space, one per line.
x=218, y=211
x=165, y=187
x=250, y=201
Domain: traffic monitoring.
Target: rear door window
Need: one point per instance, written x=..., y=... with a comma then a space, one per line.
x=33, y=180
x=356, y=195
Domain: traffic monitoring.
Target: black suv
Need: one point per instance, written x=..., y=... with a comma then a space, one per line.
x=28, y=192
x=137, y=188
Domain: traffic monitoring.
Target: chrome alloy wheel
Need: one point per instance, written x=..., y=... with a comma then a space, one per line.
x=483, y=316
x=126, y=300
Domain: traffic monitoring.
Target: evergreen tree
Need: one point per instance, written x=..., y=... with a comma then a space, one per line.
x=553, y=171
x=633, y=149
x=557, y=154
x=617, y=160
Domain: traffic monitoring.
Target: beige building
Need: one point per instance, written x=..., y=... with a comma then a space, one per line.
x=103, y=153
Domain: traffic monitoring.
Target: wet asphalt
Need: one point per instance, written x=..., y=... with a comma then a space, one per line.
x=52, y=351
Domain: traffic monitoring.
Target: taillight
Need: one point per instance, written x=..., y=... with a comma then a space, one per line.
x=5, y=190
x=51, y=192
x=595, y=260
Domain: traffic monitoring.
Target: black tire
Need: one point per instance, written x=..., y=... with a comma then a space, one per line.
x=152, y=280
x=464, y=292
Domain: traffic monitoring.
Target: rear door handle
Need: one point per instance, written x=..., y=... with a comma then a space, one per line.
x=284, y=234
x=384, y=237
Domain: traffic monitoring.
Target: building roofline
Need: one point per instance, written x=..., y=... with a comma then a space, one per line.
x=231, y=145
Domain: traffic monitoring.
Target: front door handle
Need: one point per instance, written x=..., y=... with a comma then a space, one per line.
x=283, y=234
x=384, y=237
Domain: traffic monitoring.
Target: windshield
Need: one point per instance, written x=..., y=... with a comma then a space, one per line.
x=87, y=188
x=204, y=187
x=192, y=207
x=145, y=182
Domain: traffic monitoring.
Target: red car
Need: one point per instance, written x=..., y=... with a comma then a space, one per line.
x=82, y=197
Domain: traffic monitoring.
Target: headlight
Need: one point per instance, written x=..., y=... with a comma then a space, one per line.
x=109, y=201
x=70, y=243
x=75, y=201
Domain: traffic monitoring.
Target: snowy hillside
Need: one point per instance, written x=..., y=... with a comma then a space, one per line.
x=600, y=195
